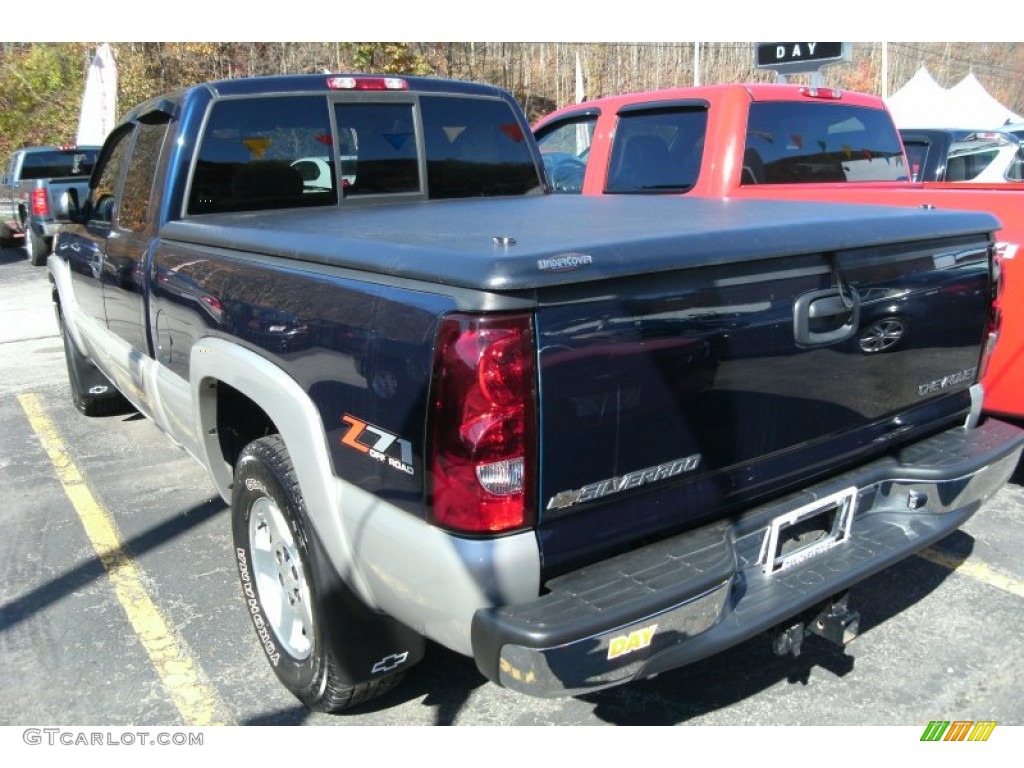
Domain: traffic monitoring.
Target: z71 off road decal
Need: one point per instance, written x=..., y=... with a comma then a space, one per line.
x=378, y=444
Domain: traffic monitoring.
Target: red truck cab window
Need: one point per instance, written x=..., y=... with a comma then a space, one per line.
x=796, y=143
x=657, y=150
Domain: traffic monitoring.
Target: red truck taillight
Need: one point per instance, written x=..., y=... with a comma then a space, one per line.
x=40, y=205
x=483, y=424
x=995, y=312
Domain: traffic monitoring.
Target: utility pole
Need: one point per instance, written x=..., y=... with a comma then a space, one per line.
x=885, y=71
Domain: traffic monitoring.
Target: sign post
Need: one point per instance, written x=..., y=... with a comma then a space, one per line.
x=792, y=58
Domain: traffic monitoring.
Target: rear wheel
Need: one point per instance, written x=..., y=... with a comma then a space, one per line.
x=277, y=559
x=38, y=247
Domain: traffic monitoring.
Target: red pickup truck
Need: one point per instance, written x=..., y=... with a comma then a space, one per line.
x=783, y=142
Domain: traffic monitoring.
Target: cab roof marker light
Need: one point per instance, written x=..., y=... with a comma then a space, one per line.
x=989, y=135
x=367, y=84
x=821, y=93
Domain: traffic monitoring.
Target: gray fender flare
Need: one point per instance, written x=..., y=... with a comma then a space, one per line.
x=290, y=408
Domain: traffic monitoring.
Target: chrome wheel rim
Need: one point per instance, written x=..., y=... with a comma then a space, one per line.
x=280, y=579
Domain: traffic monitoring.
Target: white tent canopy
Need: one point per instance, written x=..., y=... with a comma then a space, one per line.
x=923, y=103
x=976, y=100
x=918, y=104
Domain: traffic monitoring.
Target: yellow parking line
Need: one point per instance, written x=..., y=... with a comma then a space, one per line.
x=197, y=702
x=974, y=570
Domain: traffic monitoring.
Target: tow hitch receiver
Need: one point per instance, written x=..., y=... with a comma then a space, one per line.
x=835, y=622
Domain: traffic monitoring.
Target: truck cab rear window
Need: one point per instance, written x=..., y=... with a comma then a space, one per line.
x=59, y=163
x=791, y=143
x=280, y=152
x=378, y=141
x=475, y=148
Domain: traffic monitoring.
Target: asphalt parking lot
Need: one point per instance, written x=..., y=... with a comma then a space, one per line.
x=148, y=628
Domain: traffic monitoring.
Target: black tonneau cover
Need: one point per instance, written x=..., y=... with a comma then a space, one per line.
x=523, y=243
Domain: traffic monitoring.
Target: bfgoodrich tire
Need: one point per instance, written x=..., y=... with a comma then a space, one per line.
x=295, y=616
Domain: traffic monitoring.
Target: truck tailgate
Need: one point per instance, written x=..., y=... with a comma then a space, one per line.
x=670, y=400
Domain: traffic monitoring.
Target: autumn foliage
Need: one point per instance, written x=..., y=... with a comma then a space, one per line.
x=41, y=83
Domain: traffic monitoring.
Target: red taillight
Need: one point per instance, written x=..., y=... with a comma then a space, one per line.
x=995, y=314
x=40, y=205
x=483, y=430
x=367, y=84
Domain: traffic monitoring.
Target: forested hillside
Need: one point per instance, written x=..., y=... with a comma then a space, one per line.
x=41, y=84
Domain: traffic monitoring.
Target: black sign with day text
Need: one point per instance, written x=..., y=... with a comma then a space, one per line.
x=770, y=55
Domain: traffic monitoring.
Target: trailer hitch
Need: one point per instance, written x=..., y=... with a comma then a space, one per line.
x=834, y=622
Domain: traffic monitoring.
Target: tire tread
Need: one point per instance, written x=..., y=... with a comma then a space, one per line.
x=333, y=695
x=38, y=248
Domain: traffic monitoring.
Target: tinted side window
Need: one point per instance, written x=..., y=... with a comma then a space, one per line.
x=103, y=200
x=1016, y=171
x=138, y=183
x=249, y=153
x=790, y=143
x=969, y=166
x=657, y=151
x=917, y=157
x=476, y=148
x=565, y=149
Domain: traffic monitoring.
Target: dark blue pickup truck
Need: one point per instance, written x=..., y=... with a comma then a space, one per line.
x=581, y=440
